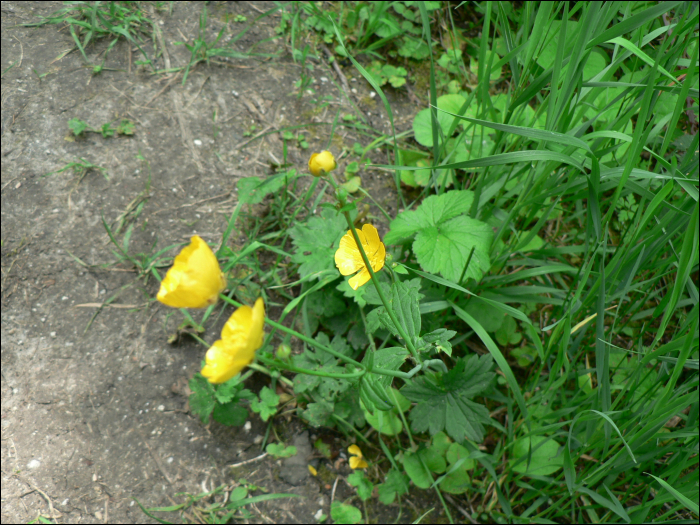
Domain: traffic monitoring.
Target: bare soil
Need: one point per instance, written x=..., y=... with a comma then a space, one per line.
x=94, y=399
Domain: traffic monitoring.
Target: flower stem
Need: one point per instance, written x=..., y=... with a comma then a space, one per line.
x=296, y=334
x=375, y=280
x=291, y=368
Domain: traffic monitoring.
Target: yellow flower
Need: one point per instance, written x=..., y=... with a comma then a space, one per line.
x=194, y=280
x=313, y=471
x=356, y=460
x=321, y=163
x=348, y=258
x=241, y=337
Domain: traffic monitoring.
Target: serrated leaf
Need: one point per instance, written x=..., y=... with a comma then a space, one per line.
x=316, y=242
x=267, y=405
x=77, y=126
x=317, y=414
x=444, y=400
x=395, y=484
x=445, y=248
x=404, y=303
x=387, y=358
x=202, y=400
x=364, y=486
x=433, y=211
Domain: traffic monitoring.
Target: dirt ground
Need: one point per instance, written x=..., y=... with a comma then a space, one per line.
x=94, y=400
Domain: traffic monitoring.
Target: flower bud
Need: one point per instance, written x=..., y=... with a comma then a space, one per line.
x=342, y=195
x=283, y=352
x=321, y=163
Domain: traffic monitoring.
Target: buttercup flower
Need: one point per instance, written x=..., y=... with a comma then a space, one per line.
x=241, y=337
x=348, y=258
x=321, y=163
x=356, y=460
x=194, y=280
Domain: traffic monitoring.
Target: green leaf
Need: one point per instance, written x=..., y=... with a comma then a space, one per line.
x=689, y=504
x=230, y=414
x=252, y=190
x=445, y=248
x=457, y=452
x=107, y=130
x=544, y=460
x=77, y=126
x=507, y=333
x=444, y=237
x=317, y=241
x=490, y=317
x=202, y=400
x=314, y=359
x=433, y=211
x=267, y=405
x=387, y=423
x=364, y=486
x=318, y=414
x=352, y=185
x=422, y=125
x=126, y=127
x=417, y=471
x=456, y=482
x=395, y=484
x=433, y=460
x=278, y=450
x=341, y=513
x=404, y=303
x=444, y=400
x=440, y=443
x=374, y=384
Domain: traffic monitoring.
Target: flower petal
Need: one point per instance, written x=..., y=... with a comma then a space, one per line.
x=357, y=462
x=195, y=280
x=355, y=450
x=224, y=362
x=361, y=278
x=348, y=258
x=241, y=336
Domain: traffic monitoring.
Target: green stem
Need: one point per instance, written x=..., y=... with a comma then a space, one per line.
x=380, y=292
x=290, y=368
x=298, y=335
x=266, y=371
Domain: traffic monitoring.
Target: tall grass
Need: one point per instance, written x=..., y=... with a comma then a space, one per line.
x=594, y=109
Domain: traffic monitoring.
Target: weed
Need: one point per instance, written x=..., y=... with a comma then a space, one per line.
x=92, y=21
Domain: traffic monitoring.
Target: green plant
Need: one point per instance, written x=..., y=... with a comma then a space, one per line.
x=92, y=21
x=79, y=127
x=508, y=347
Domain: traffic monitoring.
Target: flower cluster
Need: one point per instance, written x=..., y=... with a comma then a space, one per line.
x=195, y=280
